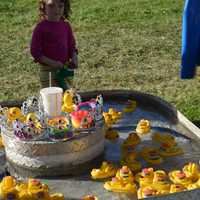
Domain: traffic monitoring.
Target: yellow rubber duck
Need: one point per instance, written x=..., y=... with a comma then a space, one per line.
x=130, y=106
x=130, y=142
x=191, y=171
x=151, y=155
x=22, y=189
x=167, y=150
x=143, y=127
x=176, y=188
x=146, y=191
x=123, y=182
x=179, y=177
x=106, y=170
x=145, y=178
x=111, y=134
x=7, y=188
x=160, y=182
x=89, y=197
x=14, y=113
x=194, y=185
x=68, y=104
x=129, y=160
x=109, y=121
x=37, y=190
x=115, y=114
x=168, y=138
x=125, y=175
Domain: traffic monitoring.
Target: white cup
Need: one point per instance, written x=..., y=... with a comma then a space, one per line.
x=52, y=100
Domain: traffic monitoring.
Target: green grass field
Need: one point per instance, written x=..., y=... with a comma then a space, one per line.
x=123, y=44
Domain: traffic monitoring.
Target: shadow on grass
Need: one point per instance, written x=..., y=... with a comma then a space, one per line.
x=196, y=122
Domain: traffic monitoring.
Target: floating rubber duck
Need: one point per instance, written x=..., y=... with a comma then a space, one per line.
x=111, y=134
x=167, y=150
x=191, y=171
x=22, y=189
x=179, y=177
x=7, y=188
x=145, y=178
x=176, y=188
x=114, y=114
x=151, y=155
x=109, y=121
x=167, y=138
x=130, y=106
x=130, y=142
x=146, y=191
x=143, y=127
x=106, y=170
x=129, y=160
x=90, y=197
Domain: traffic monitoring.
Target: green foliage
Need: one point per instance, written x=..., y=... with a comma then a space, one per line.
x=123, y=44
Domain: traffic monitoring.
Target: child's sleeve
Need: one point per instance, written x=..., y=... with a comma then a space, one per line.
x=36, y=43
x=190, y=39
x=72, y=42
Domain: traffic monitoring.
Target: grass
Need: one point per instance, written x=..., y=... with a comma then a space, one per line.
x=123, y=44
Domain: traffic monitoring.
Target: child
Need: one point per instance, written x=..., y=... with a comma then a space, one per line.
x=53, y=44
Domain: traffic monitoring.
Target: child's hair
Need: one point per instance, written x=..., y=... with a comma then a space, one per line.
x=66, y=14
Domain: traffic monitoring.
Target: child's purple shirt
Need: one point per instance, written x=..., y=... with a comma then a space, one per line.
x=54, y=40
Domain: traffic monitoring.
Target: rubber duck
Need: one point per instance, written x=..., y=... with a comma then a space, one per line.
x=151, y=155
x=117, y=185
x=167, y=150
x=89, y=197
x=130, y=106
x=125, y=175
x=176, y=188
x=146, y=191
x=145, y=178
x=179, y=177
x=13, y=114
x=7, y=188
x=129, y=160
x=108, y=119
x=111, y=134
x=191, y=171
x=22, y=189
x=57, y=196
x=130, y=142
x=143, y=127
x=167, y=138
x=114, y=114
x=160, y=182
x=68, y=104
x=106, y=170
x=194, y=185
x=37, y=190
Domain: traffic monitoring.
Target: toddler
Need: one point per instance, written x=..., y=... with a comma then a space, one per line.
x=53, y=44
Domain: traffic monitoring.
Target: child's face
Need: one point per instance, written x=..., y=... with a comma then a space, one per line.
x=54, y=9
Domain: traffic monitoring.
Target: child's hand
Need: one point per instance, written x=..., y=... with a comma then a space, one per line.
x=74, y=62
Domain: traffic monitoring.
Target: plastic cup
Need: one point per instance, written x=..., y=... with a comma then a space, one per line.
x=52, y=100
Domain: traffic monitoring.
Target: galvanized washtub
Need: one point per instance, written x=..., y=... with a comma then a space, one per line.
x=163, y=116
